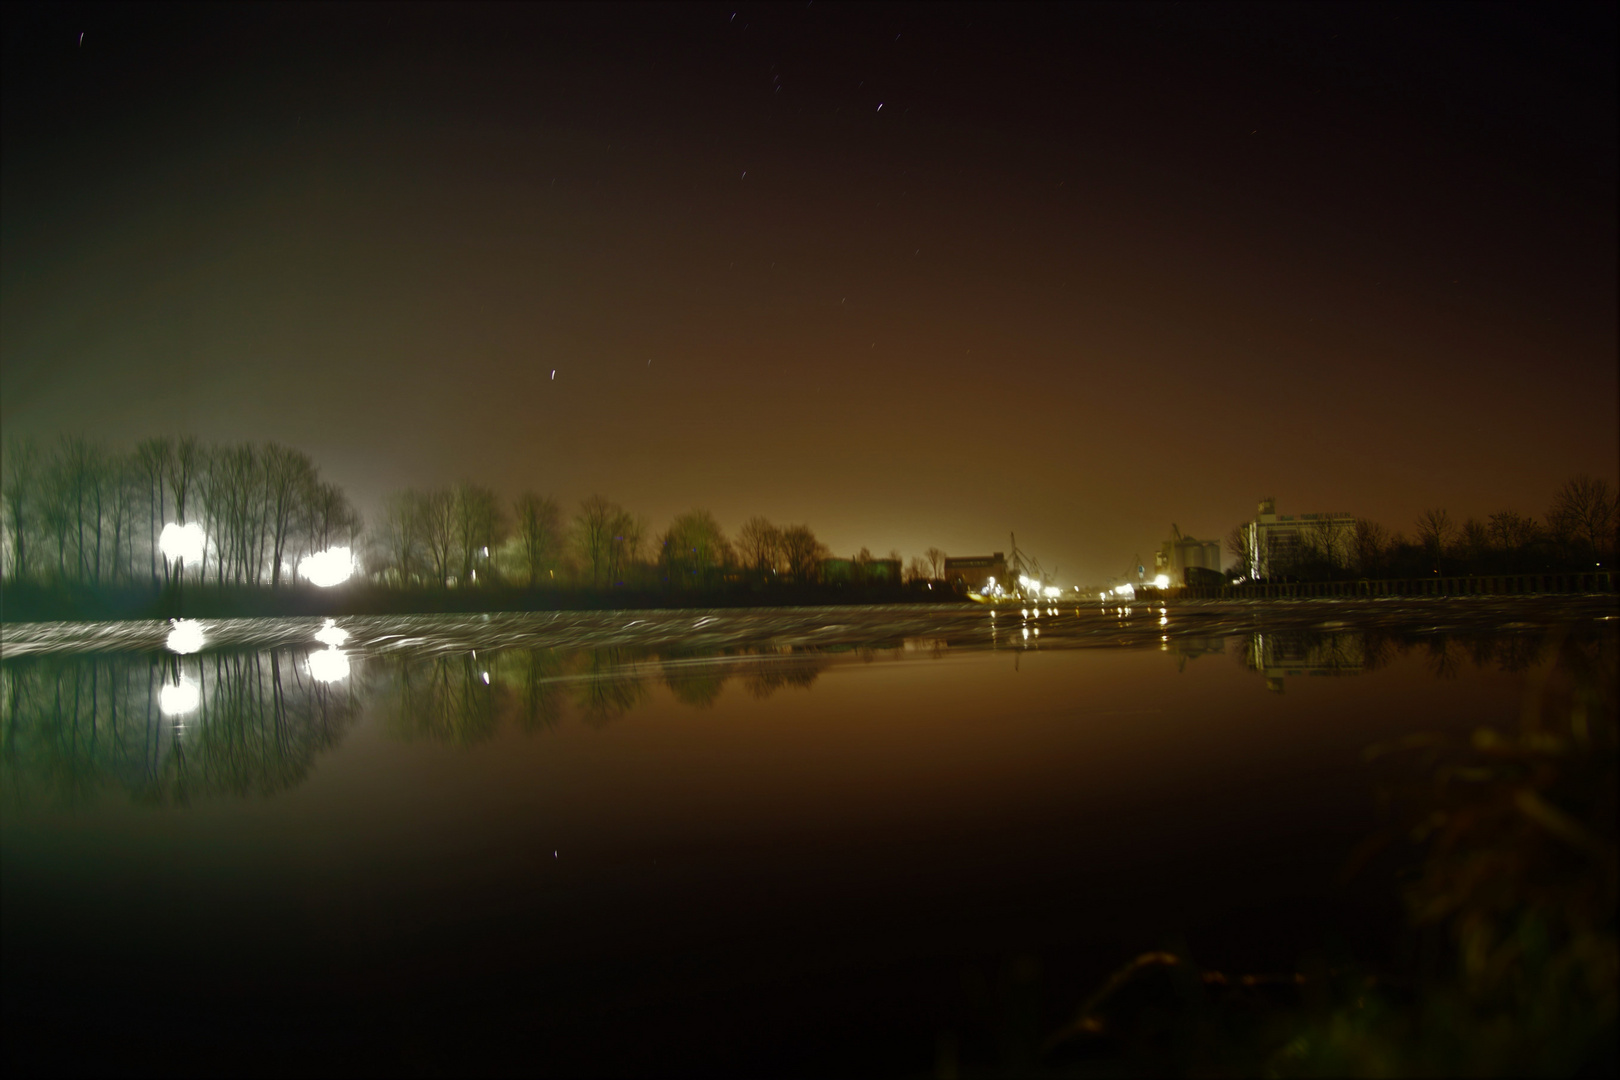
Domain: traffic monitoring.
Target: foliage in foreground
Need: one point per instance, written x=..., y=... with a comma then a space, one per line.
x=1512, y=908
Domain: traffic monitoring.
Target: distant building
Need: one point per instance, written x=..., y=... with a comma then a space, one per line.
x=1180, y=553
x=1277, y=543
x=972, y=571
x=860, y=572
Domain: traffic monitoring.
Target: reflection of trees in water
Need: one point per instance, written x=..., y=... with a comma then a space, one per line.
x=532, y=678
x=446, y=698
x=443, y=698
x=611, y=685
x=78, y=726
x=695, y=680
x=1443, y=657
x=797, y=672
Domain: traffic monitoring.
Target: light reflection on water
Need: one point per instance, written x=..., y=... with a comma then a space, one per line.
x=824, y=789
x=85, y=718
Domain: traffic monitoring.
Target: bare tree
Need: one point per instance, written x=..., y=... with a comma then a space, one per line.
x=594, y=525
x=20, y=492
x=436, y=525
x=1476, y=544
x=331, y=518
x=184, y=465
x=918, y=569
x=1237, y=546
x=1323, y=545
x=539, y=534
x=624, y=547
x=694, y=549
x=1369, y=545
x=480, y=524
x=1435, y=531
x=154, y=457
x=1512, y=532
x=123, y=501
x=759, y=545
x=400, y=536
x=289, y=476
x=936, y=562
x=1582, y=516
x=802, y=552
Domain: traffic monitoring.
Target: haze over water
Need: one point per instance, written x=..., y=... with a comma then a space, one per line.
x=792, y=840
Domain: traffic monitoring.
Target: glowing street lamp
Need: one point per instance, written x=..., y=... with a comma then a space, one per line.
x=326, y=568
x=183, y=542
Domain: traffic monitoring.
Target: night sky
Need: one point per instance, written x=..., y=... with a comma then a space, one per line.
x=912, y=275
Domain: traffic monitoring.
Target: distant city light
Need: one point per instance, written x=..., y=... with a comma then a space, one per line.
x=178, y=700
x=331, y=634
x=186, y=636
x=1162, y=581
x=326, y=568
x=1127, y=590
x=1052, y=591
x=182, y=541
x=329, y=665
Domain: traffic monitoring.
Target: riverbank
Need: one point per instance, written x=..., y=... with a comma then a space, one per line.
x=27, y=602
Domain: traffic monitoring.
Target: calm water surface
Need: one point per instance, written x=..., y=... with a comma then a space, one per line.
x=791, y=841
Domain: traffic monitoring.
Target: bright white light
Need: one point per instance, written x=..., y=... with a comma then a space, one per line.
x=486, y=678
x=1162, y=581
x=328, y=665
x=1126, y=589
x=182, y=541
x=1051, y=591
x=326, y=568
x=331, y=634
x=186, y=636
x=178, y=700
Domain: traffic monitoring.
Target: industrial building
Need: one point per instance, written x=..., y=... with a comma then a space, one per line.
x=1278, y=542
x=1180, y=553
x=972, y=571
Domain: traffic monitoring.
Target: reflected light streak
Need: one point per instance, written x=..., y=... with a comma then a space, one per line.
x=186, y=636
x=179, y=700
x=329, y=665
x=331, y=634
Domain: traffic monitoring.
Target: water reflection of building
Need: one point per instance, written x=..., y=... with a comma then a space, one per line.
x=1192, y=646
x=1276, y=542
x=1279, y=654
x=971, y=571
x=1180, y=553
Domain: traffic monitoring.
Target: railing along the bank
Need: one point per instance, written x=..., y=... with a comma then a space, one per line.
x=1598, y=581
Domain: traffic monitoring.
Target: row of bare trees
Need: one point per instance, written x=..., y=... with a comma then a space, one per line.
x=465, y=536
x=77, y=511
x=1580, y=531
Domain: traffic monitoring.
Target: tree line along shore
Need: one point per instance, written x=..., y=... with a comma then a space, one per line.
x=82, y=525
x=82, y=531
